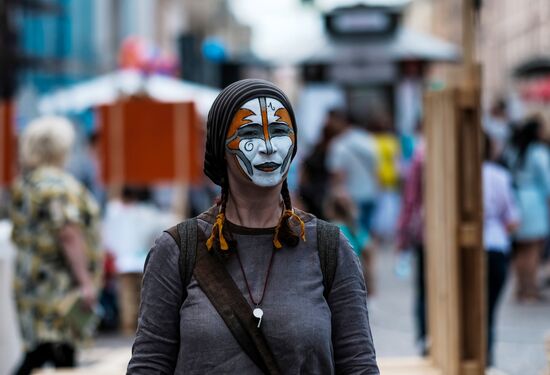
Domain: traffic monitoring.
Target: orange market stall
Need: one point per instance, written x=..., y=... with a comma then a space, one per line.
x=146, y=142
x=149, y=127
x=7, y=143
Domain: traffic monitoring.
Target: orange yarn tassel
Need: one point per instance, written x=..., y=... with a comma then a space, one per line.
x=218, y=227
x=302, y=226
x=276, y=241
x=287, y=214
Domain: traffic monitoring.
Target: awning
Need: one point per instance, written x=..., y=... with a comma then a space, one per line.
x=534, y=67
x=110, y=87
x=405, y=45
x=537, y=90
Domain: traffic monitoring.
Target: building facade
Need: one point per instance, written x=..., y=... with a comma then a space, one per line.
x=510, y=33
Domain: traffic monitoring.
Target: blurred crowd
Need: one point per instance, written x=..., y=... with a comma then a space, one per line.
x=369, y=180
x=366, y=178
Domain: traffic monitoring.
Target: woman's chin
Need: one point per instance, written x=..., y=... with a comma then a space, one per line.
x=267, y=179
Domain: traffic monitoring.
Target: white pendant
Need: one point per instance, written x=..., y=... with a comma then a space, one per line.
x=258, y=313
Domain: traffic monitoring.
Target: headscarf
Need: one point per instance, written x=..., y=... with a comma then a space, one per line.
x=221, y=113
x=224, y=108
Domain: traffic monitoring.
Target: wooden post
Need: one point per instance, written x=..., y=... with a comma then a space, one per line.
x=183, y=121
x=454, y=222
x=116, y=150
x=455, y=258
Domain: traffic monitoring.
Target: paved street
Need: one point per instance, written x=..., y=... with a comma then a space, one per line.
x=520, y=332
x=519, y=349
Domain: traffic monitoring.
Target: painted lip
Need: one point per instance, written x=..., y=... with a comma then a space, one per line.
x=267, y=167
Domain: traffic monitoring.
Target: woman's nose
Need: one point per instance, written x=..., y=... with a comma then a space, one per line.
x=266, y=147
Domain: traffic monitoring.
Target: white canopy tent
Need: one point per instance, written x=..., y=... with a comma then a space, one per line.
x=110, y=87
x=406, y=44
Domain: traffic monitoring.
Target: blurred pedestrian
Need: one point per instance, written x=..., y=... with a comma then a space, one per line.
x=129, y=230
x=261, y=298
x=314, y=178
x=55, y=230
x=353, y=164
x=342, y=211
x=388, y=156
x=84, y=166
x=529, y=163
x=500, y=219
x=497, y=126
x=411, y=235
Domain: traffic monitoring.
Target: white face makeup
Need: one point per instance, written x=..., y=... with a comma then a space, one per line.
x=261, y=138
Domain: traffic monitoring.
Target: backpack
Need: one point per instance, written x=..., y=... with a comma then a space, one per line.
x=187, y=232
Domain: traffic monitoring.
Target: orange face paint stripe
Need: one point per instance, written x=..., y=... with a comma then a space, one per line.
x=238, y=120
x=284, y=116
x=265, y=122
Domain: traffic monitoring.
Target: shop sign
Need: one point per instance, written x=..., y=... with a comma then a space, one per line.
x=364, y=73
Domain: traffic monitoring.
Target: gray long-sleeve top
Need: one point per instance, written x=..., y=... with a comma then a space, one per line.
x=307, y=333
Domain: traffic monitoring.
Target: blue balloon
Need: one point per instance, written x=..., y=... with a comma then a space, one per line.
x=213, y=49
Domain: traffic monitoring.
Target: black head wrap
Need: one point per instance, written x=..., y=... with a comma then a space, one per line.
x=221, y=114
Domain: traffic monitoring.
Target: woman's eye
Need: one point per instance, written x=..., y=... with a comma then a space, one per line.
x=248, y=132
x=280, y=131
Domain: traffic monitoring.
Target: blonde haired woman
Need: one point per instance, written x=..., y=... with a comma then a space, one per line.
x=55, y=230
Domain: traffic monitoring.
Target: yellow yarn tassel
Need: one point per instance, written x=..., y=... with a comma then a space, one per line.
x=218, y=227
x=287, y=214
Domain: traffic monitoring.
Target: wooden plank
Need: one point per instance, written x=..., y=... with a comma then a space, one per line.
x=441, y=192
x=471, y=367
x=469, y=234
x=407, y=366
x=471, y=252
x=455, y=257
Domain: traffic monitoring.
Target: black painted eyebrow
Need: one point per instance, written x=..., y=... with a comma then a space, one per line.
x=250, y=127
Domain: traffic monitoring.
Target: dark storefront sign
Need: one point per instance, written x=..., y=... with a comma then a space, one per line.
x=366, y=45
x=357, y=51
x=362, y=21
x=364, y=73
x=351, y=74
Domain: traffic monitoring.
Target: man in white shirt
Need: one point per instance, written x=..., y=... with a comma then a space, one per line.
x=352, y=162
x=129, y=230
x=500, y=218
x=496, y=125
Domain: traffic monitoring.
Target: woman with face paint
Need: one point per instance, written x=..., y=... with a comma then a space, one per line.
x=271, y=253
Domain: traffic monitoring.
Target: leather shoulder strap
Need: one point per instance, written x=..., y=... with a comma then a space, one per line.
x=227, y=299
x=186, y=235
x=328, y=237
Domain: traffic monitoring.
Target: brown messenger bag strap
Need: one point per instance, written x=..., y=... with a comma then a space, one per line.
x=225, y=296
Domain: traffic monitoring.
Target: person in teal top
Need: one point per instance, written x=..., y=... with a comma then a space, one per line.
x=358, y=238
x=341, y=210
x=529, y=162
